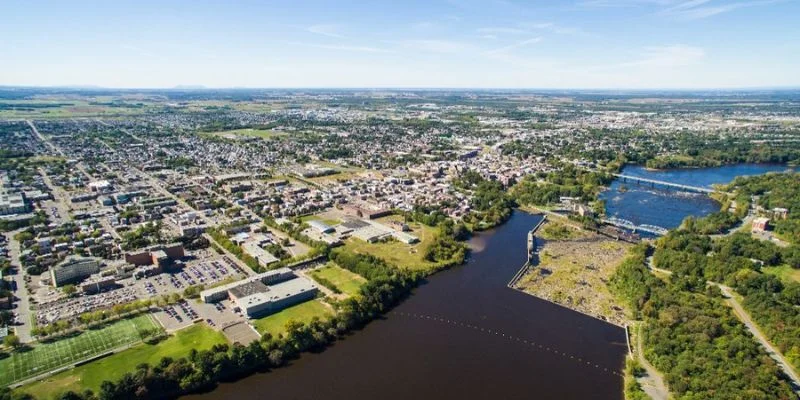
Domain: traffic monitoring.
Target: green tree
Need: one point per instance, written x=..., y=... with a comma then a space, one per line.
x=12, y=341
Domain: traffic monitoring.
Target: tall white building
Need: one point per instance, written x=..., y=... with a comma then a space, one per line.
x=73, y=269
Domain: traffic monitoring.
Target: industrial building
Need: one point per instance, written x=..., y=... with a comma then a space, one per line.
x=216, y=294
x=264, y=293
x=73, y=269
x=371, y=232
x=256, y=299
x=320, y=226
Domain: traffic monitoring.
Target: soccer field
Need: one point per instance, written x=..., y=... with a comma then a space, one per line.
x=46, y=357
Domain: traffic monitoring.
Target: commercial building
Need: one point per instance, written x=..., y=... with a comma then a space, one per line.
x=264, y=293
x=12, y=203
x=258, y=299
x=73, y=269
x=320, y=226
x=161, y=255
x=97, y=285
x=100, y=186
x=262, y=256
x=216, y=294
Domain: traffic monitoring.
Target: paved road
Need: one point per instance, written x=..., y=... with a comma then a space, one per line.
x=55, y=149
x=652, y=383
x=743, y=316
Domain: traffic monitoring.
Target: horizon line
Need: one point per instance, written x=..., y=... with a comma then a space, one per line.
x=200, y=88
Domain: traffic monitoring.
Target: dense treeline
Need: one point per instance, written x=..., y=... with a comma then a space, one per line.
x=736, y=260
x=568, y=181
x=776, y=190
x=491, y=205
x=693, y=338
x=716, y=222
x=699, y=151
x=386, y=286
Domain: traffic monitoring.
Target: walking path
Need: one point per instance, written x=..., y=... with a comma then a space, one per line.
x=653, y=382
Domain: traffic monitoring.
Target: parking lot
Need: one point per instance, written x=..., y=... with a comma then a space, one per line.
x=202, y=270
x=194, y=273
x=218, y=315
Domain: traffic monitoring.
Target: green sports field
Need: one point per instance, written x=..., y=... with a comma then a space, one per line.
x=91, y=375
x=46, y=357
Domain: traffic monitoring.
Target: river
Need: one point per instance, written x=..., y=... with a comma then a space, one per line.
x=461, y=335
x=642, y=204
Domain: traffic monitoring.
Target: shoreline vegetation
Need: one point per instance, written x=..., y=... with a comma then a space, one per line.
x=386, y=285
x=683, y=312
x=381, y=286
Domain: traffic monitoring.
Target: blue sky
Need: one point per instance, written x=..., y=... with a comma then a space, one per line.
x=409, y=43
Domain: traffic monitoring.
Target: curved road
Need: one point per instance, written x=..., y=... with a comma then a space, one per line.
x=744, y=317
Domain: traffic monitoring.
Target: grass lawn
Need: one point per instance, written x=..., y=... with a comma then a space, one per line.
x=344, y=280
x=556, y=230
x=275, y=324
x=785, y=272
x=396, y=252
x=90, y=376
x=262, y=133
x=49, y=356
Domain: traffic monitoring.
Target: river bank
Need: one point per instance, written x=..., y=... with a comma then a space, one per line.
x=462, y=334
x=573, y=268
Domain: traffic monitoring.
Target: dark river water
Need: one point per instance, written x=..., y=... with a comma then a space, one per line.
x=642, y=204
x=462, y=335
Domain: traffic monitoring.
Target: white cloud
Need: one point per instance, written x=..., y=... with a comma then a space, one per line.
x=681, y=9
x=435, y=45
x=424, y=25
x=328, y=30
x=698, y=9
x=516, y=45
x=671, y=56
x=660, y=57
x=360, y=49
x=503, y=31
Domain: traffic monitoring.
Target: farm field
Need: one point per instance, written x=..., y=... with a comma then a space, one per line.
x=275, y=324
x=46, y=357
x=90, y=376
x=344, y=280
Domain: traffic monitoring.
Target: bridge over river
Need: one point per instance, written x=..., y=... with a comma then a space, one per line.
x=654, y=182
x=624, y=223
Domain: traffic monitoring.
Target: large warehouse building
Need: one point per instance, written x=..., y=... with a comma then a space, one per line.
x=264, y=293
